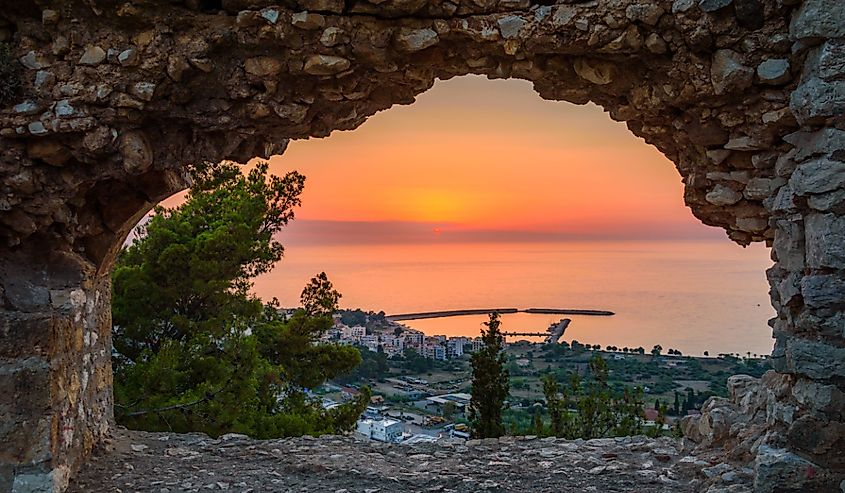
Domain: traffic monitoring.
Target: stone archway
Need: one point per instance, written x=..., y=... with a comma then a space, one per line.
x=746, y=97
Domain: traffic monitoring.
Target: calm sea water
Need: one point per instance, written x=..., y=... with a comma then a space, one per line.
x=693, y=295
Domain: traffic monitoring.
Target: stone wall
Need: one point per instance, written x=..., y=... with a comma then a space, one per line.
x=117, y=98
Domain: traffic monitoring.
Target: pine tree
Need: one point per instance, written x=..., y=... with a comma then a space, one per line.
x=194, y=348
x=490, y=383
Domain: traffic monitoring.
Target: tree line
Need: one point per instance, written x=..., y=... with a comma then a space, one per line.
x=580, y=408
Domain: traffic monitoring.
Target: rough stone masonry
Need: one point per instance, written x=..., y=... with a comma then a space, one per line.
x=118, y=97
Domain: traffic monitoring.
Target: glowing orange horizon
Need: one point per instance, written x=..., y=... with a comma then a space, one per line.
x=479, y=155
x=488, y=155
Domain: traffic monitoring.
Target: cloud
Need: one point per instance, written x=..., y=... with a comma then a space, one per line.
x=316, y=232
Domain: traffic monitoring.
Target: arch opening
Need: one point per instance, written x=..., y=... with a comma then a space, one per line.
x=486, y=169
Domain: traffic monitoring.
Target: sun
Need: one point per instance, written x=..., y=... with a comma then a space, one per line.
x=437, y=206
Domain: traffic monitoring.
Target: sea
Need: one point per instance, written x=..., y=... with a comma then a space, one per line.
x=693, y=295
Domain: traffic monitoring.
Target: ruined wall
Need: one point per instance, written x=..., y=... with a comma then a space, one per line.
x=746, y=97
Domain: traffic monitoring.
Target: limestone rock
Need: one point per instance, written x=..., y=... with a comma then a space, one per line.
x=35, y=61
x=818, y=176
x=762, y=188
x=827, y=202
x=819, y=397
x=510, y=26
x=778, y=470
x=819, y=19
x=822, y=291
x=595, y=71
x=143, y=90
x=128, y=58
x=821, y=437
x=333, y=36
x=722, y=195
x=138, y=155
x=326, y=64
x=828, y=61
x=774, y=71
x=816, y=98
x=744, y=143
x=308, y=20
x=813, y=359
x=655, y=44
x=563, y=15
x=37, y=128
x=824, y=141
x=270, y=15
x=681, y=6
x=94, y=55
x=713, y=5
x=416, y=40
x=28, y=107
x=262, y=66
x=728, y=72
x=751, y=224
x=647, y=13
x=825, y=236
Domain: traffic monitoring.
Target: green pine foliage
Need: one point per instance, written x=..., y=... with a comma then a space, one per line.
x=591, y=409
x=194, y=350
x=490, y=383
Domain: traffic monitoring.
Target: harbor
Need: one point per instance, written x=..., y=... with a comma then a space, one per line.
x=552, y=334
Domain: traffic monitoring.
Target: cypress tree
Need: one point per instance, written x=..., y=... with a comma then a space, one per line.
x=490, y=383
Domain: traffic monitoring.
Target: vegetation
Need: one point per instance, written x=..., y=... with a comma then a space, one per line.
x=359, y=317
x=490, y=386
x=373, y=366
x=591, y=409
x=10, y=78
x=194, y=349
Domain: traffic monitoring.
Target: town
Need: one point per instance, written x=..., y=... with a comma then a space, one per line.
x=402, y=337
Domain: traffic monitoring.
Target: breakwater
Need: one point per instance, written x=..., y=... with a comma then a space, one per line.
x=450, y=313
x=485, y=311
x=568, y=311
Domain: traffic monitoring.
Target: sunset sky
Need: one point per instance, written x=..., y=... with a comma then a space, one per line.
x=490, y=160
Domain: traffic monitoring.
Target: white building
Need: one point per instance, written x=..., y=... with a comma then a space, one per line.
x=414, y=338
x=382, y=430
x=394, y=342
x=371, y=340
x=440, y=353
x=358, y=331
x=434, y=351
x=455, y=346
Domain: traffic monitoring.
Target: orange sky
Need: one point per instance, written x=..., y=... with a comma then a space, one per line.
x=474, y=155
x=475, y=159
